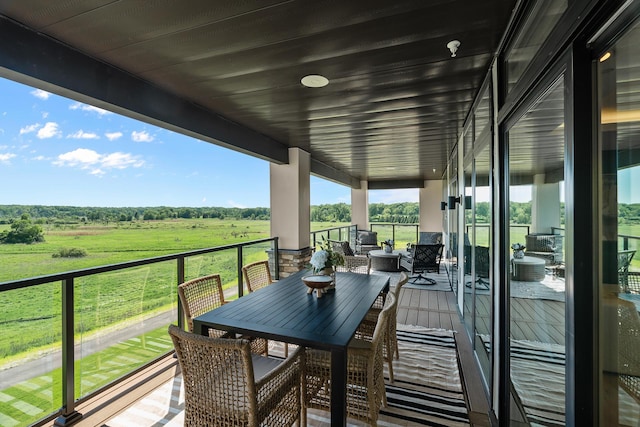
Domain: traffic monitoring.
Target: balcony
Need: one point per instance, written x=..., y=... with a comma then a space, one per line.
x=117, y=334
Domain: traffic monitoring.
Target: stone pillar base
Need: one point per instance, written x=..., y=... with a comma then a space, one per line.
x=291, y=261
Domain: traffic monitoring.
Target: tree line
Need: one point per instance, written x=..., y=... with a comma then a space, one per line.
x=406, y=213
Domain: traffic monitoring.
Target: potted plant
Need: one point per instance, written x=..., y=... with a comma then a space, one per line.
x=388, y=245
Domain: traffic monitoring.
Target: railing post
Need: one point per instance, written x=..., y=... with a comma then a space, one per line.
x=180, y=278
x=393, y=234
x=276, y=263
x=240, y=283
x=68, y=415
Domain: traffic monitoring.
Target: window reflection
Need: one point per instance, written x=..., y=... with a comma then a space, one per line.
x=539, y=24
x=619, y=100
x=537, y=287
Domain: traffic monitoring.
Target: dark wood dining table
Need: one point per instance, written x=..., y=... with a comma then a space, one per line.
x=284, y=311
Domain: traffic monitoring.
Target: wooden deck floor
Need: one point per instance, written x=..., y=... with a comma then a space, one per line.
x=531, y=319
x=437, y=309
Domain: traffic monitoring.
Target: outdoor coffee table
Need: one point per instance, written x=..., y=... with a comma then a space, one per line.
x=528, y=269
x=385, y=261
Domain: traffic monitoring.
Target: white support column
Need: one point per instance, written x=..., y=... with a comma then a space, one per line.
x=291, y=210
x=545, y=205
x=430, y=213
x=360, y=206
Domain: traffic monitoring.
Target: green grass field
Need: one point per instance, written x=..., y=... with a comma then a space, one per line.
x=107, y=302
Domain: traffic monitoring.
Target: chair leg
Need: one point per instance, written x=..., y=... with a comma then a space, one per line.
x=428, y=280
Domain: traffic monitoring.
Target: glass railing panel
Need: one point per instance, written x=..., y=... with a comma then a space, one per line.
x=121, y=322
x=30, y=354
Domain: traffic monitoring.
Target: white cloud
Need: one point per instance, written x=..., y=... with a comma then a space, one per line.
x=97, y=163
x=45, y=114
x=120, y=161
x=142, y=136
x=29, y=128
x=39, y=158
x=235, y=204
x=39, y=93
x=89, y=108
x=49, y=130
x=112, y=136
x=83, y=135
x=5, y=157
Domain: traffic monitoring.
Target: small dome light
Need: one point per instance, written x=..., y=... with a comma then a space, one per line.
x=314, y=80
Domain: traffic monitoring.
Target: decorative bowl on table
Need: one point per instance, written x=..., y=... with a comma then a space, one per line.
x=317, y=282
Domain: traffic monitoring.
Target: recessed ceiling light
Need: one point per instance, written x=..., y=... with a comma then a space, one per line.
x=314, y=80
x=606, y=56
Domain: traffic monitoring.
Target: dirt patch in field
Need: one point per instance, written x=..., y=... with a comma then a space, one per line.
x=76, y=233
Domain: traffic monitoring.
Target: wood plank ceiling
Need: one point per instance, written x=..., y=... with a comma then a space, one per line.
x=391, y=114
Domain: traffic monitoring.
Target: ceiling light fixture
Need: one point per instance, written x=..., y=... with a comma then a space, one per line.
x=453, y=46
x=314, y=80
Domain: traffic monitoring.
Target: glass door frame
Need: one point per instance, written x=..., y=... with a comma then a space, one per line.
x=507, y=118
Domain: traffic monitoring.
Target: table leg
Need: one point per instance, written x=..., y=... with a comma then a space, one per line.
x=338, y=387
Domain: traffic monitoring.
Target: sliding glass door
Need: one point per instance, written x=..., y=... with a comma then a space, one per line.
x=618, y=79
x=536, y=162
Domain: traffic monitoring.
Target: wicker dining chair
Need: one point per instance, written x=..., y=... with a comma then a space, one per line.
x=226, y=385
x=367, y=327
x=365, y=373
x=355, y=264
x=257, y=275
x=204, y=294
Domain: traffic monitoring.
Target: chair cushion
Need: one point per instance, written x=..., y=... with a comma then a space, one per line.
x=263, y=365
x=430, y=237
x=368, y=237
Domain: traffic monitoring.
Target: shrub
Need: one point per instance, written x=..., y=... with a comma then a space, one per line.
x=70, y=253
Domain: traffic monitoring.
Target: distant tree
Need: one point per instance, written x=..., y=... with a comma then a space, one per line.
x=22, y=231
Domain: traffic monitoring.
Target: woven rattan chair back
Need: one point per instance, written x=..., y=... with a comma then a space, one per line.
x=355, y=264
x=365, y=373
x=220, y=386
x=200, y=295
x=391, y=346
x=257, y=275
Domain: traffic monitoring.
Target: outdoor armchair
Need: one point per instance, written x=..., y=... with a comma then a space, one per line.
x=365, y=376
x=226, y=385
x=257, y=275
x=425, y=258
x=204, y=294
x=367, y=327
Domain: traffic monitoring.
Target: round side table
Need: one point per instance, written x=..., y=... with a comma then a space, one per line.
x=527, y=269
x=385, y=261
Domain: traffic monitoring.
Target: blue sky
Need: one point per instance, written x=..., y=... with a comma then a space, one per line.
x=56, y=151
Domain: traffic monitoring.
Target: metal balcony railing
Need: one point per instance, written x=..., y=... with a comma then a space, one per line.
x=70, y=336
